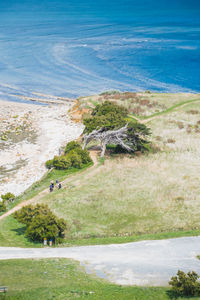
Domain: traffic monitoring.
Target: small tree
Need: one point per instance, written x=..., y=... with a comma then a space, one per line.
x=48, y=226
x=40, y=222
x=186, y=284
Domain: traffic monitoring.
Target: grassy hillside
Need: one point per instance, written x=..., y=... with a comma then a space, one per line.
x=135, y=195
x=159, y=192
x=64, y=279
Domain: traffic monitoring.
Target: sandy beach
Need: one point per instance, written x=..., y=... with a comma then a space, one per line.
x=30, y=135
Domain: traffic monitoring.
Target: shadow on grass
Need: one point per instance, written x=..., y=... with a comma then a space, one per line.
x=173, y=295
x=21, y=232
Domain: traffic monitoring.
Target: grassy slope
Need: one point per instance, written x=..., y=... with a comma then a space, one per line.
x=162, y=193
x=44, y=183
x=65, y=279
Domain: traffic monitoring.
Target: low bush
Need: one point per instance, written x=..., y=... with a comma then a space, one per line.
x=186, y=284
x=72, y=146
x=49, y=164
x=61, y=162
x=40, y=222
x=85, y=155
x=74, y=157
x=8, y=197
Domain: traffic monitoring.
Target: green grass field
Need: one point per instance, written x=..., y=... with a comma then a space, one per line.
x=47, y=279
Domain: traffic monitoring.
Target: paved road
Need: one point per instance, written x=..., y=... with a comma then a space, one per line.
x=141, y=263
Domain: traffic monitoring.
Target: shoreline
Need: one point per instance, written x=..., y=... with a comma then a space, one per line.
x=32, y=134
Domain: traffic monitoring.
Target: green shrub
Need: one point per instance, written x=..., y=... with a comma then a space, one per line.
x=186, y=284
x=42, y=226
x=75, y=159
x=85, y=155
x=49, y=164
x=109, y=107
x=2, y=206
x=62, y=162
x=8, y=197
x=40, y=222
x=72, y=146
x=26, y=214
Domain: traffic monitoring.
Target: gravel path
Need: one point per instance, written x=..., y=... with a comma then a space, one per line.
x=139, y=263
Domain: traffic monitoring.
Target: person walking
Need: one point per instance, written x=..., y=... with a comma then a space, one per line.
x=52, y=183
x=51, y=188
x=59, y=185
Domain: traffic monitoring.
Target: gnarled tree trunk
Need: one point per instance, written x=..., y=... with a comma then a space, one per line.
x=115, y=137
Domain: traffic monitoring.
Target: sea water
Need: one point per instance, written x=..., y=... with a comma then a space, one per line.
x=81, y=47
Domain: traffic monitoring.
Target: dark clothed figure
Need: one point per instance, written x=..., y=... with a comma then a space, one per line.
x=52, y=183
x=51, y=188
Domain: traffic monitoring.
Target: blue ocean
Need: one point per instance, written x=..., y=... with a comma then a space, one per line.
x=80, y=47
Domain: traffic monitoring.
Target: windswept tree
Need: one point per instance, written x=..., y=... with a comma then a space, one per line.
x=109, y=124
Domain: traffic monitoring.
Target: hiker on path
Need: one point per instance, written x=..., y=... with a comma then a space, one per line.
x=59, y=185
x=52, y=183
x=51, y=188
